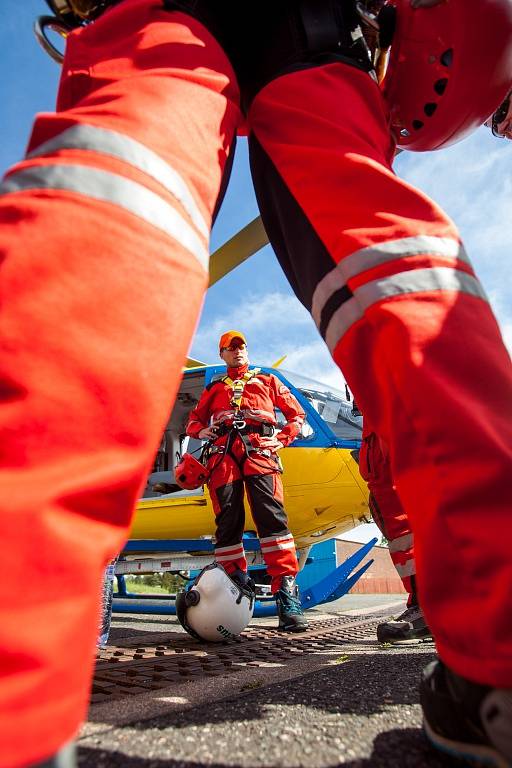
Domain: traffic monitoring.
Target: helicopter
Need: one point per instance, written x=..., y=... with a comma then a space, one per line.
x=173, y=529
x=324, y=492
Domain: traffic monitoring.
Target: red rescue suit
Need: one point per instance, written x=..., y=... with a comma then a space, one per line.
x=237, y=460
x=387, y=510
x=104, y=244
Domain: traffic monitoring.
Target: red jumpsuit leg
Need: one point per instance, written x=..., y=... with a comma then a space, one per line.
x=266, y=499
x=387, y=510
x=392, y=291
x=104, y=246
x=226, y=489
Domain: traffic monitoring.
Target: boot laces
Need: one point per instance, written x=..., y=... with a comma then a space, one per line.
x=290, y=604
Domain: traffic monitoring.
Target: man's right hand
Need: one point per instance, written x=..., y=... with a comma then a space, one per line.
x=208, y=433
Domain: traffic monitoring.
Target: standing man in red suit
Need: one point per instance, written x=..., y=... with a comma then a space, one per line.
x=236, y=413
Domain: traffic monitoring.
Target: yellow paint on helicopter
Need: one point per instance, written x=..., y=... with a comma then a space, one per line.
x=324, y=496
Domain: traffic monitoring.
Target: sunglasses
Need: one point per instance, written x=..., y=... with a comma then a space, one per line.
x=234, y=347
x=500, y=115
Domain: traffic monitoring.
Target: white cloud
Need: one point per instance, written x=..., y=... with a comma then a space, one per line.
x=275, y=324
x=270, y=321
x=471, y=182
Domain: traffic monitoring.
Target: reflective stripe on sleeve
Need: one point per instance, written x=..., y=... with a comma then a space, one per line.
x=374, y=255
x=419, y=281
x=402, y=543
x=111, y=188
x=425, y=280
x=105, y=142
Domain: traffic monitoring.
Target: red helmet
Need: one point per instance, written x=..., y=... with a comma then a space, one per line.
x=449, y=69
x=190, y=473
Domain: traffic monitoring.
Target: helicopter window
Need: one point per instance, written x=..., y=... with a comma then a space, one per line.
x=306, y=433
x=337, y=412
x=173, y=438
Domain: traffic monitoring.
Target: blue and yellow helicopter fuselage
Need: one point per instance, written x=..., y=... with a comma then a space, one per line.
x=323, y=490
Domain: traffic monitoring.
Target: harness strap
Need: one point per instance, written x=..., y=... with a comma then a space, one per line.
x=239, y=427
x=238, y=386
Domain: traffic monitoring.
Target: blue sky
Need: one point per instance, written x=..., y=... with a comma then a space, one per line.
x=472, y=181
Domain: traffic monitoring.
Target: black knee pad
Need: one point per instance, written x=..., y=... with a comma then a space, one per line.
x=265, y=39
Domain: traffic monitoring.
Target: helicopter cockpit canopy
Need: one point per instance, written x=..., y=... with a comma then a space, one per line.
x=331, y=404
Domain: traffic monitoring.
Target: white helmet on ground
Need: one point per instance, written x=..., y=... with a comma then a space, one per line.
x=215, y=607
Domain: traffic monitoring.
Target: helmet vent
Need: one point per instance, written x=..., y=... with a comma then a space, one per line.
x=440, y=85
x=430, y=108
x=447, y=57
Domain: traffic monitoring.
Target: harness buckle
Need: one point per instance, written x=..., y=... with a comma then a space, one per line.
x=239, y=424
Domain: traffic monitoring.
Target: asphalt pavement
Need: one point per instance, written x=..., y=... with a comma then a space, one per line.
x=351, y=703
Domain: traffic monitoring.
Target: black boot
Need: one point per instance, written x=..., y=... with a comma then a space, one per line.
x=291, y=615
x=409, y=627
x=466, y=720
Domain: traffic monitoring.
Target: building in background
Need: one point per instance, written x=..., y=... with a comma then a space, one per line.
x=380, y=578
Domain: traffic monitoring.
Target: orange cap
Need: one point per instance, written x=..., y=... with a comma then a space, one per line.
x=226, y=339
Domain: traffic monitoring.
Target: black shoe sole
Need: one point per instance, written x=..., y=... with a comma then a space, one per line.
x=407, y=641
x=293, y=629
x=423, y=636
x=473, y=753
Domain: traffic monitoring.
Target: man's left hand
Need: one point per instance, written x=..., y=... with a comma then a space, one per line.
x=270, y=444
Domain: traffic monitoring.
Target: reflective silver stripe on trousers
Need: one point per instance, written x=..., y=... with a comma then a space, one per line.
x=414, y=281
x=278, y=547
x=232, y=549
x=402, y=543
x=115, y=189
x=409, y=569
x=374, y=255
x=275, y=539
x=93, y=139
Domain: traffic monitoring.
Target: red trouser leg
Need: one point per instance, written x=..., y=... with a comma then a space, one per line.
x=265, y=494
x=104, y=242
x=393, y=293
x=387, y=510
x=226, y=489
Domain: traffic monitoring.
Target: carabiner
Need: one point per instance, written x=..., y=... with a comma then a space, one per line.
x=41, y=24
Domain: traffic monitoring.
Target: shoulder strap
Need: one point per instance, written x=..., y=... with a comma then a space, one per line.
x=238, y=385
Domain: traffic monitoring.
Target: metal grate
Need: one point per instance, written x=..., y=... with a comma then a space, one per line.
x=135, y=668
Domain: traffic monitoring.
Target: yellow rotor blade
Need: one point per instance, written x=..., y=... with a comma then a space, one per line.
x=191, y=363
x=238, y=249
x=278, y=362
